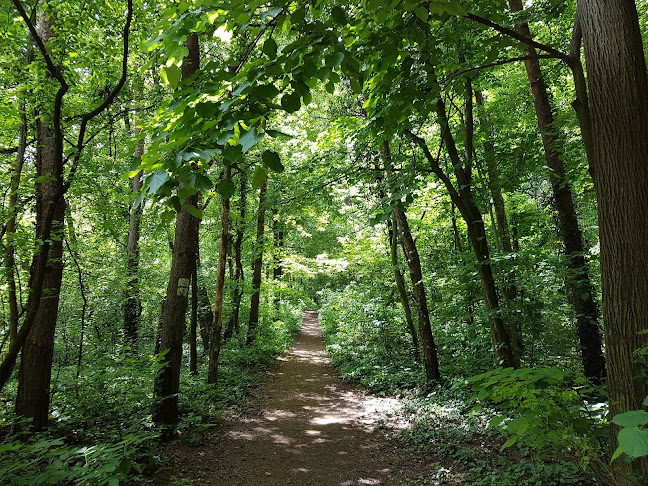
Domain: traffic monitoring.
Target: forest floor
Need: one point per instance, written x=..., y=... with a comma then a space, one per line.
x=303, y=426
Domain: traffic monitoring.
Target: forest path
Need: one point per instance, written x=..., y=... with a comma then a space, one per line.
x=307, y=427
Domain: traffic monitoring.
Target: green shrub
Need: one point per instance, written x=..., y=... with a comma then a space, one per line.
x=542, y=410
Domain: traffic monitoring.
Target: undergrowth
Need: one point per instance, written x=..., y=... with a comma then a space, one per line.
x=101, y=429
x=525, y=427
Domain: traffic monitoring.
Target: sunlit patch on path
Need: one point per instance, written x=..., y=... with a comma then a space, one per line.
x=310, y=429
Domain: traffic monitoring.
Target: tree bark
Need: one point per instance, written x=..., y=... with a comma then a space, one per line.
x=217, y=323
x=430, y=358
x=578, y=285
x=618, y=96
x=258, y=263
x=495, y=187
x=133, y=305
x=193, y=322
x=183, y=260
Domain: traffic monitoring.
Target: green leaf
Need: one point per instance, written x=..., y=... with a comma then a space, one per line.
x=249, y=138
x=495, y=421
x=270, y=48
x=156, y=180
x=194, y=211
x=201, y=182
x=291, y=102
x=436, y=8
x=267, y=91
x=226, y=188
x=259, y=177
x=634, y=441
x=170, y=75
x=455, y=8
x=631, y=419
x=355, y=86
x=272, y=160
x=232, y=154
x=421, y=13
x=335, y=59
x=509, y=443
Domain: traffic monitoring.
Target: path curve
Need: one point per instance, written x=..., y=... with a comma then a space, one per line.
x=309, y=428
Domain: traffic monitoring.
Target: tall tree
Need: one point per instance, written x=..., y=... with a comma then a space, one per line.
x=430, y=358
x=34, y=375
x=578, y=285
x=400, y=282
x=50, y=219
x=132, y=305
x=463, y=198
x=219, y=294
x=618, y=95
x=253, y=320
x=237, y=289
x=183, y=261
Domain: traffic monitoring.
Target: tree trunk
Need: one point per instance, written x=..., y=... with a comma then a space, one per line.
x=193, y=322
x=183, y=261
x=503, y=233
x=618, y=83
x=580, y=291
x=10, y=261
x=464, y=200
x=400, y=283
x=217, y=323
x=258, y=263
x=132, y=305
x=430, y=358
x=237, y=288
x=34, y=376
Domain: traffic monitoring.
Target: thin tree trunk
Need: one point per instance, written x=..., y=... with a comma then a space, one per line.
x=618, y=83
x=430, y=358
x=464, y=200
x=193, y=323
x=237, y=288
x=258, y=264
x=133, y=305
x=73, y=250
x=10, y=261
x=580, y=291
x=183, y=261
x=400, y=283
x=217, y=323
x=495, y=187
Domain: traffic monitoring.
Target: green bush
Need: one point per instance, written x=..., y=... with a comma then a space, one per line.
x=542, y=410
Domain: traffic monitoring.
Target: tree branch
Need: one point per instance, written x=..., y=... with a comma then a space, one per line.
x=451, y=76
x=525, y=40
x=85, y=118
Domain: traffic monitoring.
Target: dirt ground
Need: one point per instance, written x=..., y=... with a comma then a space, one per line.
x=305, y=426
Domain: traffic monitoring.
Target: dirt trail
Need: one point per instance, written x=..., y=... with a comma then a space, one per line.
x=307, y=428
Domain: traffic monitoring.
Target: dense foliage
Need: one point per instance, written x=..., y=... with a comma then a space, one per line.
x=380, y=161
